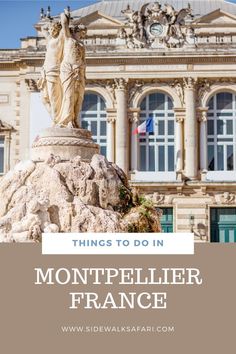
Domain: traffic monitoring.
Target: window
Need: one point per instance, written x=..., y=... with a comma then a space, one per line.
x=223, y=225
x=93, y=118
x=157, y=149
x=166, y=219
x=221, y=132
x=2, y=140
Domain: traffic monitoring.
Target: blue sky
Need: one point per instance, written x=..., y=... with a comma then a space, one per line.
x=18, y=17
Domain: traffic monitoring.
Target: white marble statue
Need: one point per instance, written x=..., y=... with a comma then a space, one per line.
x=72, y=73
x=50, y=84
x=63, y=74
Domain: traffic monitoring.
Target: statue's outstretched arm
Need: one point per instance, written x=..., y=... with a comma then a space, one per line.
x=65, y=25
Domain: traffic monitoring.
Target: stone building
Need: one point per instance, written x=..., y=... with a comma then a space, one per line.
x=174, y=63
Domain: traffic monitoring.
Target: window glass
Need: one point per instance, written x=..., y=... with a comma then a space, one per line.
x=220, y=127
x=220, y=158
x=171, y=158
x=94, y=128
x=156, y=101
x=170, y=103
x=84, y=124
x=143, y=158
x=151, y=158
x=170, y=127
x=103, y=150
x=211, y=160
x=229, y=127
x=230, y=162
x=143, y=105
x=161, y=127
x=102, y=106
x=103, y=128
x=90, y=102
x=210, y=127
x=224, y=100
x=211, y=103
x=161, y=158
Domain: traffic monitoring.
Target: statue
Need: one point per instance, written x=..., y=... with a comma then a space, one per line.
x=63, y=73
x=72, y=73
x=62, y=86
x=50, y=84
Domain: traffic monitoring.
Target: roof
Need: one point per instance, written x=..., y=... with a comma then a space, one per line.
x=113, y=8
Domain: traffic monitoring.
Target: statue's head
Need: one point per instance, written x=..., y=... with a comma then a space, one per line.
x=79, y=30
x=54, y=29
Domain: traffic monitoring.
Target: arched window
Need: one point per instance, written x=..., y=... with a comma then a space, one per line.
x=157, y=149
x=93, y=118
x=221, y=132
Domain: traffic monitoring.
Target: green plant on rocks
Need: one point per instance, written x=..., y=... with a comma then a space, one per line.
x=143, y=217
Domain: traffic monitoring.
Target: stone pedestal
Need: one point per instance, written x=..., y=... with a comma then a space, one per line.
x=64, y=142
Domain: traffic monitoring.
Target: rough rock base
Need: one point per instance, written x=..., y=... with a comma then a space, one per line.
x=58, y=196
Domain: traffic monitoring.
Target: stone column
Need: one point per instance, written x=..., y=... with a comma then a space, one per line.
x=191, y=146
x=134, y=120
x=203, y=139
x=122, y=140
x=111, y=118
x=179, y=149
x=31, y=88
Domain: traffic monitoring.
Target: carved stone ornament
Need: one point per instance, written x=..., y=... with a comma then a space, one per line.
x=135, y=87
x=111, y=120
x=179, y=119
x=158, y=27
x=32, y=85
x=190, y=82
x=133, y=115
x=5, y=127
x=158, y=198
x=225, y=198
x=120, y=84
x=204, y=86
x=202, y=116
x=178, y=85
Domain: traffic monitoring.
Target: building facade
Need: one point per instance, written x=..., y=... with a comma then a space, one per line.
x=174, y=63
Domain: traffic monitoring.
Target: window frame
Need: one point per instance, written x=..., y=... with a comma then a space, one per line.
x=99, y=116
x=157, y=140
x=224, y=139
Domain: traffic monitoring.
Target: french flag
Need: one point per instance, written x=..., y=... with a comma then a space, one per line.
x=145, y=127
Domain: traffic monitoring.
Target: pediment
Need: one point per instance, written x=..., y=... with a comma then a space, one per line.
x=217, y=17
x=99, y=20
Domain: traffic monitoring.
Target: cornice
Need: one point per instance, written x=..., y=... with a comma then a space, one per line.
x=127, y=59
x=160, y=60
x=130, y=60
